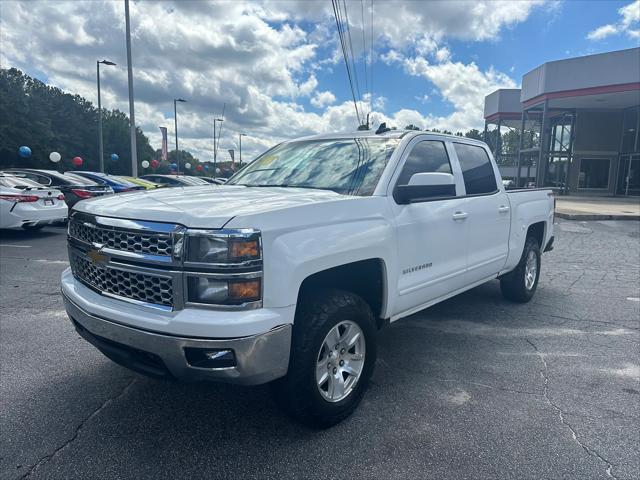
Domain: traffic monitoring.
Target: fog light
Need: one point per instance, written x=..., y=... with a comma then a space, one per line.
x=210, y=358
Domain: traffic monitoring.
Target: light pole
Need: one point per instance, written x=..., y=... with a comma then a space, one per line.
x=132, y=115
x=175, y=123
x=100, y=144
x=216, y=140
x=240, y=147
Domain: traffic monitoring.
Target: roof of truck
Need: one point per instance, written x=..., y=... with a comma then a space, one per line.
x=388, y=134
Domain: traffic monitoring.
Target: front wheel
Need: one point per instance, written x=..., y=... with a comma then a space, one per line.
x=333, y=352
x=521, y=284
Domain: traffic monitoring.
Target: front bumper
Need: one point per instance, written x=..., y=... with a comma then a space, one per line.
x=258, y=358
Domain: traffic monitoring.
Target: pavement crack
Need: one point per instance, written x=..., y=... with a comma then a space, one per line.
x=561, y=414
x=45, y=459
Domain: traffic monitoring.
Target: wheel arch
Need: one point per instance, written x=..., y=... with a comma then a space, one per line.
x=366, y=278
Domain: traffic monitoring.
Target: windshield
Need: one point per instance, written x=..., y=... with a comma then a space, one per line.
x=18, y=182
x=73, y=178
x=350, y=166
x=121, y=180
x=192, y=180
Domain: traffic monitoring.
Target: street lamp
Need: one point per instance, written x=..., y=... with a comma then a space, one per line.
x=100, y=144
x=216, y=140
x=240, y=147
x=175, y=122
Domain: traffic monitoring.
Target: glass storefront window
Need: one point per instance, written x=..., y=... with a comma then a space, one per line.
x=594, y=173
x=630, y=127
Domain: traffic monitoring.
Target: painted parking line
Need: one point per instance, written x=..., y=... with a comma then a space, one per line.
x=14, y=246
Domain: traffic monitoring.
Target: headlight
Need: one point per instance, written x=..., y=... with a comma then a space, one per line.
x=223, y=247
x=225, y=268
x=216, y=291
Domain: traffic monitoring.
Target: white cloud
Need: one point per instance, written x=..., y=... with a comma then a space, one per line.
x=464, y=86
x=602, y=32
x=629, y=18
x=322, y=99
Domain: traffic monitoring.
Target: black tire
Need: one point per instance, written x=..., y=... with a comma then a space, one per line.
x=297, y=393
x=514, y=285
x=32, y=228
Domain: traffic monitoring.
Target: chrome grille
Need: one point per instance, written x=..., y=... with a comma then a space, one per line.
x=137, y=286
x=138, y=242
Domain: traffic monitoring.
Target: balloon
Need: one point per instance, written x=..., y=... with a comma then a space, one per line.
x=24, y=152
x=199, y=168
x=155, y=163
x=206, y=167
x=77, y=161
x=217, y=170
x=55, y=157
x=145, y=164
x=174, y=166
x=187, y=166
x=114, y=157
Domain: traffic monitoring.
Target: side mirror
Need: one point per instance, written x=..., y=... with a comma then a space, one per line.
x=426, y=186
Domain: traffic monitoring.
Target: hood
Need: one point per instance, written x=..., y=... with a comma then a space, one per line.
x=208, y=206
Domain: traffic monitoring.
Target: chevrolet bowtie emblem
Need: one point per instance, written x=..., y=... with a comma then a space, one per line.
x=97, y=257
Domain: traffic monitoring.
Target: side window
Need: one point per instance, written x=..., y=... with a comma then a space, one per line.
x=477, y=170
x=39, y=179
x=426, y=157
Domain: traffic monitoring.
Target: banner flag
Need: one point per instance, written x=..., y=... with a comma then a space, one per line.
x=232, y=155
x=165, y=150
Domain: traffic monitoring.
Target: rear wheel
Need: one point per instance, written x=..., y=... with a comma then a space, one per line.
x=333, y=352
x=520, y=285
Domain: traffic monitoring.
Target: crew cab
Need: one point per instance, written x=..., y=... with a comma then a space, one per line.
x=287, y=272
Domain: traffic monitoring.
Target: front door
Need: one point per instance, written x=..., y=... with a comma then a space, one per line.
x=431, y=235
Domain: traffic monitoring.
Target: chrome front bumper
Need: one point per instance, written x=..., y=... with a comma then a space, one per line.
x=257, y=359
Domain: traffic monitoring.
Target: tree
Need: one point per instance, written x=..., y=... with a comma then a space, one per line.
x=46, y=119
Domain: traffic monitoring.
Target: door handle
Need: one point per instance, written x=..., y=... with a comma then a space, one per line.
x=460, y=215
x=503, y=209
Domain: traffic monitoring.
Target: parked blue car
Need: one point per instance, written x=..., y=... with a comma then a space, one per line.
x=118, y=184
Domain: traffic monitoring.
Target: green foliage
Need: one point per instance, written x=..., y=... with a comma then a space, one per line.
x=46, y=119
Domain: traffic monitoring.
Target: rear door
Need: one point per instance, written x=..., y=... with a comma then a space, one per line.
x=488, y=219
x=431, y=237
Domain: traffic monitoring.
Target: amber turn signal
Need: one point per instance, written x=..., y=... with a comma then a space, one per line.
x=244, y=249
x=247, y=291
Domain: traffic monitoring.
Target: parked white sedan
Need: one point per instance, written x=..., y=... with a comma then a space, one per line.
x=27, y=204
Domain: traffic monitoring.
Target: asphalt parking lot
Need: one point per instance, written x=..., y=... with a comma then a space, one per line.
x=473, y=388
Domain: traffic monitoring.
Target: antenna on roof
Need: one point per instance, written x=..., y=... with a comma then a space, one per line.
x=382, y=128
x=365, y=126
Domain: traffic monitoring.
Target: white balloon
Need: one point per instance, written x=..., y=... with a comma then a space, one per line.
x=55, y=157
x=145, y=164
x=187, y=166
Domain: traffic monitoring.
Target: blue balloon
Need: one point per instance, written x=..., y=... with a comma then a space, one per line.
x=206, y=167
x=114, y=157
x=174, y=166
x=24, y=152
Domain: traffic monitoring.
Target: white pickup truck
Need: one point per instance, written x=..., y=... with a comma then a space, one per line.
x=286, y=273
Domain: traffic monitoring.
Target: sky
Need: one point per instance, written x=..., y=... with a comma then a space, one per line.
x=278, y=65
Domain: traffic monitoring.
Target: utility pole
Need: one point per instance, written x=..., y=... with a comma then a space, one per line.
x=100, y=142
x=132, y=115
x=175, y=124
x=240, y=147
x=216, y=141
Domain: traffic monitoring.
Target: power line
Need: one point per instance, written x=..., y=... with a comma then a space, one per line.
x=336, y=14
x=364, y=54
x=371, y=57
x=353, y=57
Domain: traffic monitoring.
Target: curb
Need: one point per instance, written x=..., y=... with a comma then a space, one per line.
x=595, y=216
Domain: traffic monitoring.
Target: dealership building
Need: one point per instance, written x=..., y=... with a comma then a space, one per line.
x=573, y=126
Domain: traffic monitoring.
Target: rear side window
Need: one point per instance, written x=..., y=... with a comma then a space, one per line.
x=426, y=157
x=477, y=171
